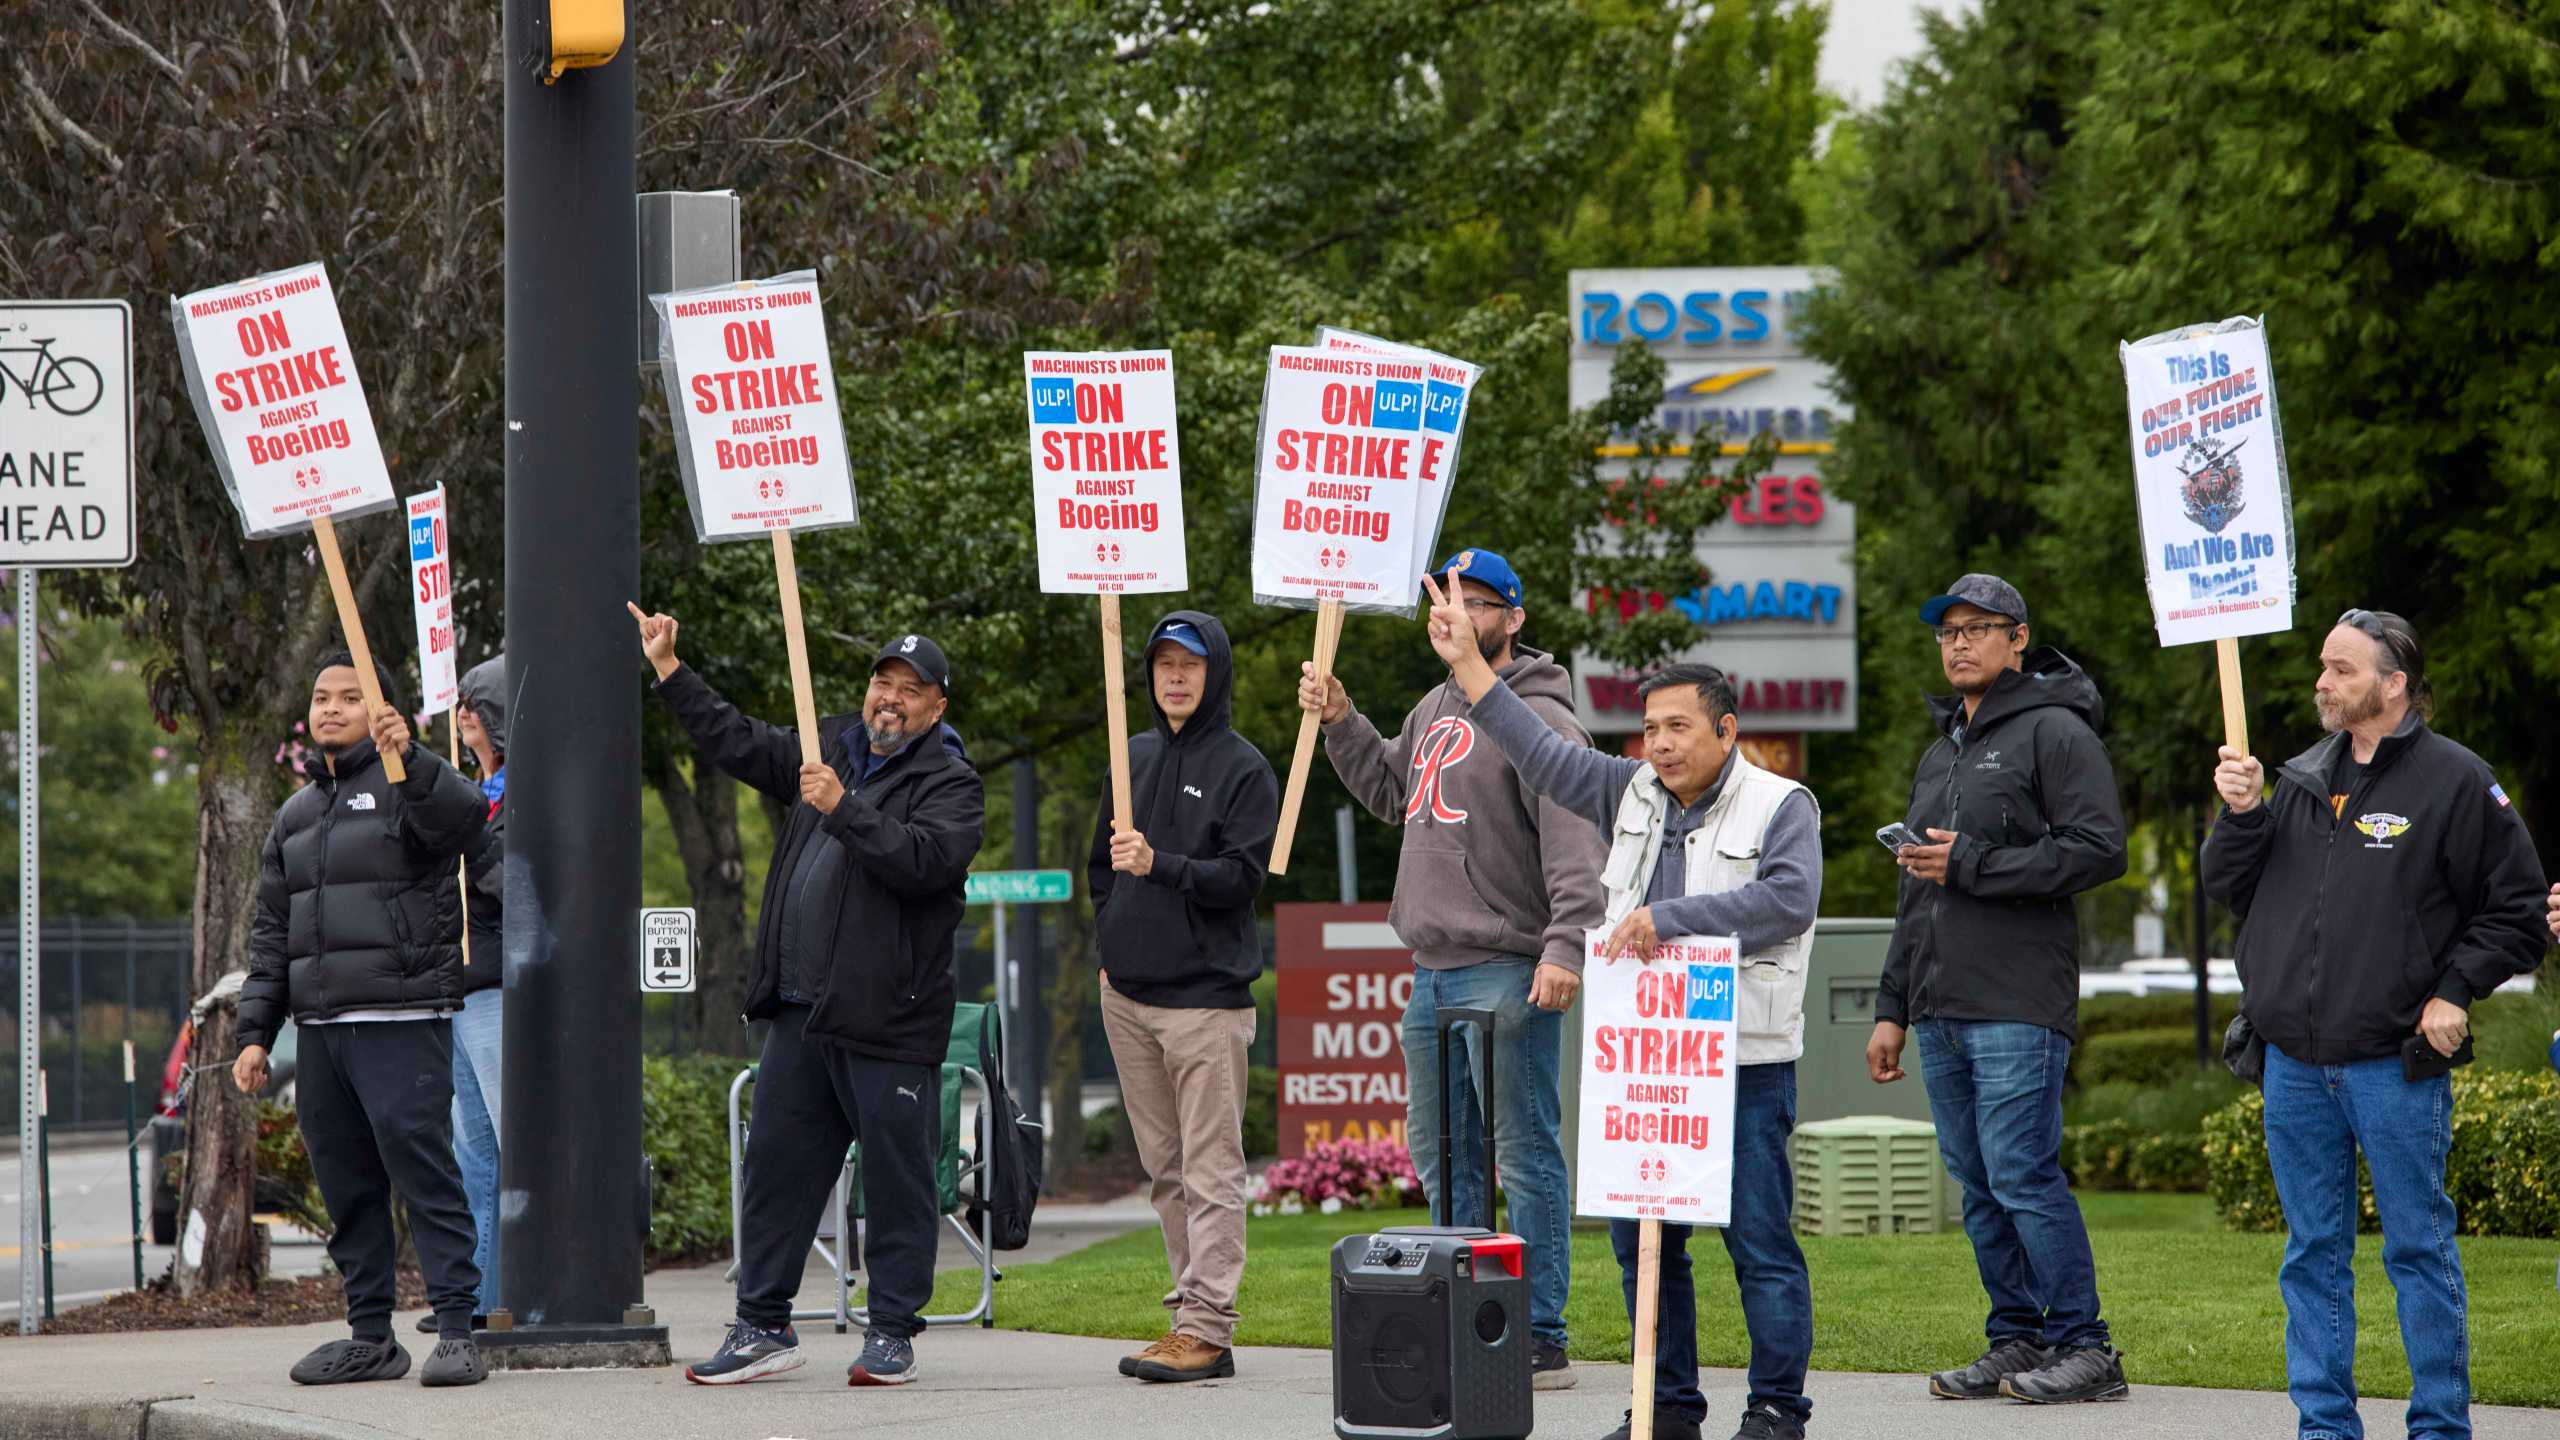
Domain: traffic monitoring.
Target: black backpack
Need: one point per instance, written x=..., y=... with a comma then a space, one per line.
x=1012, y=1140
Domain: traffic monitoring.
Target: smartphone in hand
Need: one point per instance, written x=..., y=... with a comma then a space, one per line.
x=1896, y=836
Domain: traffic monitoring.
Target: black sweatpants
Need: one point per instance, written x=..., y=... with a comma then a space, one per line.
x=376, y=1100
x=813, y=1099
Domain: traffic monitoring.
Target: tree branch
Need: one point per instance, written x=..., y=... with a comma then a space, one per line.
x=118, y=30
x=53, y=116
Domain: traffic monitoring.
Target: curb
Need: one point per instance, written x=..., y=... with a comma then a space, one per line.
x=177, y=1418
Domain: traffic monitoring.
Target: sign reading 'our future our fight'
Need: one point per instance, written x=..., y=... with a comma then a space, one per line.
x=1659, y=1048
x=2210, y=482
x=1106, y=472
x=1343, y=464
x=275, y=386
x=753, y=397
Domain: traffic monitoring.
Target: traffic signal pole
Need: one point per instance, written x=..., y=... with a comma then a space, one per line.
x=574, y=1192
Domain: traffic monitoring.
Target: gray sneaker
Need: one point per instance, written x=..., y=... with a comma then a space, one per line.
x=456, y=1362
x=1981, y=1380
x=886, y=1360
x=1549, y=1369
x=2082, y=1372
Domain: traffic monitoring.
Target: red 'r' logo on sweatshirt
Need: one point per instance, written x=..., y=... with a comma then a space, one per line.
x=1443, y=745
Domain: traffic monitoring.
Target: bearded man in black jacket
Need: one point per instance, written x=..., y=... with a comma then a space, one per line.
x=357, y=940
x=1173, y=917
x=852, y=968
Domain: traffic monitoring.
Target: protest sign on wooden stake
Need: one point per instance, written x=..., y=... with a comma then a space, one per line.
x=752, y=394
x=1106, y=490
x=439, y=673
x=274, y=385
x=2212, y=493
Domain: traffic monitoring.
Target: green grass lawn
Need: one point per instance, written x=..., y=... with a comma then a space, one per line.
x=2190, y=1303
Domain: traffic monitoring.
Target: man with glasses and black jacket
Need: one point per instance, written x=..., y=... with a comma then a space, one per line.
x=2383, y=887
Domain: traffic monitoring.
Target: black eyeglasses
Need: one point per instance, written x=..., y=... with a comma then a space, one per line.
x=1975, y=631
x=1478, y=606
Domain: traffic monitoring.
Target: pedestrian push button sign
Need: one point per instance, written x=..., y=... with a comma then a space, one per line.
x=666, y=950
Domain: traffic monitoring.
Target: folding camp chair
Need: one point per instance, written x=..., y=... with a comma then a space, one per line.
x=975, y=1053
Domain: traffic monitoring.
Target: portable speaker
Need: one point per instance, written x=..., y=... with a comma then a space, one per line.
x=1431, y=1322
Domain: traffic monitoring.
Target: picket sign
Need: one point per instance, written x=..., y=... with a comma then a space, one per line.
x=1106, y=490
x=751, y=392
x=2212, y=492
x=439, y=673
x=275, y=387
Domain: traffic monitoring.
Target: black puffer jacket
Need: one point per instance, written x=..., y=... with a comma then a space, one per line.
x=881, y=951
x=357, y=905
x=1182, y=936
x=2028, y=789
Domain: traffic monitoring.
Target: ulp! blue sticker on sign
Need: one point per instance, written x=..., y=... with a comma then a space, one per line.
x=1053, y=402
x=1440, y=407
x=1398, y=406
x=1710, y=993
x=422, y=537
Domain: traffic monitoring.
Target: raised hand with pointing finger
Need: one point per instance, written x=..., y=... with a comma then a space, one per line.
x=657, y=639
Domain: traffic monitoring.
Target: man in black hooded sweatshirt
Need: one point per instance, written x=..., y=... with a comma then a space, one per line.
x=1173, y=912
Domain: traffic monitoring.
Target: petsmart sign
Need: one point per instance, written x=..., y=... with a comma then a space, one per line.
x=1659, y=1047
x=1106, y=472
x=2209, y=481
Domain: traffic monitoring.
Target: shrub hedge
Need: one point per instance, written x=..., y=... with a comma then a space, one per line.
x=2155, y=1057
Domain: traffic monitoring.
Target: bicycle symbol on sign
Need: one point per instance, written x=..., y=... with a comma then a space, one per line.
x=71, y=385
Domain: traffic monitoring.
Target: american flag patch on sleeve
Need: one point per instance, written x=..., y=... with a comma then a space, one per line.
x=2498, y=793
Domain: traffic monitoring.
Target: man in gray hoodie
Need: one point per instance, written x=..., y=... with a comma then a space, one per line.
x=1494, y=888
x=477, y=1031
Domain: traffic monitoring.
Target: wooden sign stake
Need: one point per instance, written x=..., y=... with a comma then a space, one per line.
x=1648, y=1313
x=804, y=706
x=1115, y=700
x=2235, y=710
x=1328, y=638
x=326, y=531
x=461, y=863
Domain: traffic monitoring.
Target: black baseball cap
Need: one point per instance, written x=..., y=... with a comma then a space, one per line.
x=919, y=652
x=1989, y=592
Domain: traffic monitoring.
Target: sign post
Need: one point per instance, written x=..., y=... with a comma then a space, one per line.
x=66, y=502
x=1341, y=469
x=1015, y=887
x=2212, y=492
x=1106, y=490
x=752, y=394
x=275, y=386
x=1655, y=1144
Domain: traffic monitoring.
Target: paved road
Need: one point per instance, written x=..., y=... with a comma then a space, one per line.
x=93, y=1231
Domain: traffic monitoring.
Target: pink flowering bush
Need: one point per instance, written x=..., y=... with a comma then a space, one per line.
x=1339, y=1175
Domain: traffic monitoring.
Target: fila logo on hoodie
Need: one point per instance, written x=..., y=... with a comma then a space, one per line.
x=1448, y=741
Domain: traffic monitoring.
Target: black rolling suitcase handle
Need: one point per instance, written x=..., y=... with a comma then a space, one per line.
x=1449, y=1018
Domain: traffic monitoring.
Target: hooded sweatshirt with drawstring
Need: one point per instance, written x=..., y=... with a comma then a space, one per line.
x=1182, y=936
x=1489, y=868
x=484, y=689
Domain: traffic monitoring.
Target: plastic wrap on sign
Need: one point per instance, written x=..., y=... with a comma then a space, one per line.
x=1449, y=385
x=752, y=395
x=1342, y=463
x=1106, y=472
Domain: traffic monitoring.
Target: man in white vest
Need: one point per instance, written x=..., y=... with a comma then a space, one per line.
x=1701, y=842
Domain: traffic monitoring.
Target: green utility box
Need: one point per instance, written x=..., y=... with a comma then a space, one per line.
x=1839, y=1014
x=1872, y=1175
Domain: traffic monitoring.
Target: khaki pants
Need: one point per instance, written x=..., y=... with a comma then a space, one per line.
x=1182, y=1079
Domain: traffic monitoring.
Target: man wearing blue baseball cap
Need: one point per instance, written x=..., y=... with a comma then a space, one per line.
x=1494, y=887
x=2015, y=810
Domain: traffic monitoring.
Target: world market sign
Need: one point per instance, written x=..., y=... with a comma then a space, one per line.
x=1777, y=606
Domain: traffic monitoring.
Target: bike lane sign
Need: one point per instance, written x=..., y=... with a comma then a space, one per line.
x=66, y=434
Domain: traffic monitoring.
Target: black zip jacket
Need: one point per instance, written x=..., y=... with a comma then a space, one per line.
x=1183, y=935
x=2424, y=884
x=357, y=905
x=2027, y=788
x=880, y=941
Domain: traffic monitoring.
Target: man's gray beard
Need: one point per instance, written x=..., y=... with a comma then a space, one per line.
x=2336, y=716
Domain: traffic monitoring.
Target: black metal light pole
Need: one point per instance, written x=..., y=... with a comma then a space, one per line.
x=573, y=1190
x=1025, y=1062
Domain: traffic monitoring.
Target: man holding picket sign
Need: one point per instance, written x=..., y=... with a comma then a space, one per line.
x=358, y=905
x=1703, y=842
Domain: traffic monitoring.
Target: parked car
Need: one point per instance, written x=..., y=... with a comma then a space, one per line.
x=165, y=1141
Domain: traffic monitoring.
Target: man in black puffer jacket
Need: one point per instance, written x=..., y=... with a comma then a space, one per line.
x=1173, y=898
x=853, y=968
x=355, y=939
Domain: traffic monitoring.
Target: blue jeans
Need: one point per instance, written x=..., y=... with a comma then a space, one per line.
x=1777, y=1298
x=1995, y=1091
x=2318, y=1117
x=1528, y=1118
x=477, y=1029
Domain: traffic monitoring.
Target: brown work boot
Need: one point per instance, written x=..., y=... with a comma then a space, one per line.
x=1187, y=1357
x=1129, y=1363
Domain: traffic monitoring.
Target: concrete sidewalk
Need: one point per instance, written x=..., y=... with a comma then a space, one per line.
x=231, y=1385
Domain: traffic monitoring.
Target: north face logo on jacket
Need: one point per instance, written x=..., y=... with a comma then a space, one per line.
x=360, y=801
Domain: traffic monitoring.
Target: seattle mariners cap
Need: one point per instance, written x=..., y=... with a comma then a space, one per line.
x=1184, y=634
x=1989, y=592
x=1485, y=568
x=919, y=652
